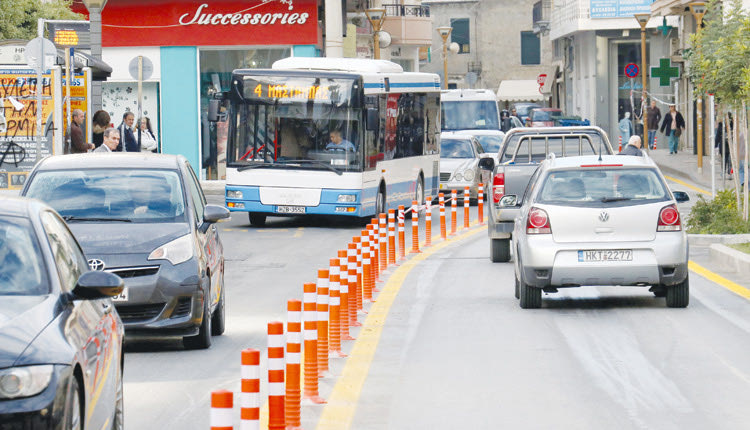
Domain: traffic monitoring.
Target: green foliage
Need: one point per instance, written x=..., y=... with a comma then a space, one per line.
x=717, y=216
x=744, y=247
x=18, y=18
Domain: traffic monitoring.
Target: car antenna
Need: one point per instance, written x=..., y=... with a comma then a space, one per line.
x=600, y=150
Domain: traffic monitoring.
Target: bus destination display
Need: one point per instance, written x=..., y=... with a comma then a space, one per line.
x=308, y=92
x=298, y=89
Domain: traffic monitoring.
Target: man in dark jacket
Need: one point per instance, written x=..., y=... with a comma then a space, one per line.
x=672, y=126
x=127, y=137
x=77, y=143
x=653, y=115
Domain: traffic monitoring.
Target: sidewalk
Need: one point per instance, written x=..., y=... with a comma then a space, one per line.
x=684, y=165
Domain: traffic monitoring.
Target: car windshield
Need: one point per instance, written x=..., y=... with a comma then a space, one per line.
x=22, y=268
x=116, y=195
x=454, y=148
x=491, y=144
x=469, y=115
x=544, y=115
x=523, y=110
x=601, y=187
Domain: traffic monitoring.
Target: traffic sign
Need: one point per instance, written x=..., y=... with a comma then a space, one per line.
x=632, y=70
x=33, y=53
x=541, y=78
x=148, y=68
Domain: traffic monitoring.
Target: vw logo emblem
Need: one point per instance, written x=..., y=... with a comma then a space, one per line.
x=603, y=216
x=96, y=264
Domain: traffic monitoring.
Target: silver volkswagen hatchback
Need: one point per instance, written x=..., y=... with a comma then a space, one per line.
x=592, y=220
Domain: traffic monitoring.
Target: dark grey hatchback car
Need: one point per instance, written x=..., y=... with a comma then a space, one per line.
x=144, y=217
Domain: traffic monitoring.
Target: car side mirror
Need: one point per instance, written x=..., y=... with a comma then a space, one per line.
x=372, y=119
x=213, y=110
x=215, y=213
x=487, y=163
x=96, y=285
x=681, y=196
x=509, y=200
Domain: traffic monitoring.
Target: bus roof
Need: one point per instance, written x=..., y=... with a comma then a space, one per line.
x=467, y=94
x=355, y=65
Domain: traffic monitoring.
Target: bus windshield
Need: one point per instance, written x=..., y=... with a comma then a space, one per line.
x=470, y=115
x=306, y=122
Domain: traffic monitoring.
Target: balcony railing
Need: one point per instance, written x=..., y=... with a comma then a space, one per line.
x=406, y=10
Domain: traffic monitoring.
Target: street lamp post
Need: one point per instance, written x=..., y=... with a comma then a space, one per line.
x=95, y=8
x=445, y=32
x=376, y=16
x=698, y=9
x=643, y=20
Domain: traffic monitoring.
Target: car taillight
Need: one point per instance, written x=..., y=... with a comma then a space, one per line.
x=498, y=187
x=669, y=219
x=537, y=222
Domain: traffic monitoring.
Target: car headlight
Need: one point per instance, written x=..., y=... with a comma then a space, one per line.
x=177, y=251
x=469, y=175
x=24, y=381
x=458, y=177
x=346, y=198
x=234, y=194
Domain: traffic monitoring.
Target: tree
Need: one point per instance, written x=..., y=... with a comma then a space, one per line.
x=18, y=18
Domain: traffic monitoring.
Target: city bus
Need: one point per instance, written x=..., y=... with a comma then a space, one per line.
x=329, y=136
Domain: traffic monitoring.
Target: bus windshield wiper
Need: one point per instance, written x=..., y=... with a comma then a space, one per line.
x=614, y=199
x=254, y=166
x=83, y=218
x=316, y=162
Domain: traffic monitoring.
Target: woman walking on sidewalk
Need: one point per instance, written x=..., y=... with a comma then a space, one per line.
x=672, y=126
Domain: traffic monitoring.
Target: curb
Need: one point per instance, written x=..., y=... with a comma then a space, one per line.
x=730, y=259
x=709, y=239
x=682, y=174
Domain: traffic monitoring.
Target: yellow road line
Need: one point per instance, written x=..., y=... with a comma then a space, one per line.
x=718, y=279
x=685, y=184
x=299, y=232
x=339, y=411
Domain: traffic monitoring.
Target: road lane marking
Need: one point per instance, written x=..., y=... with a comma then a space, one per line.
x=299, y=232
x=718, y=279
x=338, y=413
x=685, y=184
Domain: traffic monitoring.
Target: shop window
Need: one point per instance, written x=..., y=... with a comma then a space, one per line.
x=461, y=35
x=530, y=48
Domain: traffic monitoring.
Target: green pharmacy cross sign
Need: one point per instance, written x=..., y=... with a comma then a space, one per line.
x=665, y=72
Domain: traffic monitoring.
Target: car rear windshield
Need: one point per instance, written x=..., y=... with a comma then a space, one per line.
x=454, y=148
x=600, y=187
x=534, y=148
x=99, y=195
x=22, y=268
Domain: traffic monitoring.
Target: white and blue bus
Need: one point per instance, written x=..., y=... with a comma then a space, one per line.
x=330, y=136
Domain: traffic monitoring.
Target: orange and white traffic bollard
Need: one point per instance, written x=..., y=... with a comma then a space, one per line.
x=401, y=233
x=293, y=400
x=480, y=203
x=352, y=269
x=334, y=309
x=358, y=297
x=250, y=386
x=454, y=205
x=467, y=199
x=428, y=222
x=276, y=390
x=375, y=241
x=222, y=404
x=619, y=144
x=344, y=285
x=383, y=244
x=414, y=226
x=374, y=256
x=441, y=205
x=310, y=305
x=391, y=237
x=322, y=307
x=367, y=277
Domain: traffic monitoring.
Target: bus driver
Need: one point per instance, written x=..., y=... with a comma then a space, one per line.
x=338, y=143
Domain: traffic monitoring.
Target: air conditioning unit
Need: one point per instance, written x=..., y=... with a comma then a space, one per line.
x=675, y=50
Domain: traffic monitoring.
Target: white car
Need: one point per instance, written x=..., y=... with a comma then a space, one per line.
x=591, y=220
x=491, y=140
x=459, y=164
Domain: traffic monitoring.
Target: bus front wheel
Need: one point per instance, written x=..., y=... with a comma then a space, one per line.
x=380, y=202
x=257, y=220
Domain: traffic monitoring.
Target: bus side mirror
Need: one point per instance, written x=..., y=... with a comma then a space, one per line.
x=213, y=110
x=373, y=119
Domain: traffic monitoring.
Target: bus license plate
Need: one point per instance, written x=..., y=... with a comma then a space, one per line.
x=290, y=209
x=122, y=297
x=605, y=255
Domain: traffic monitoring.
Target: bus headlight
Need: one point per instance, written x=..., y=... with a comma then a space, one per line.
x=469, y=175
x=346, y=198
x=458, y=177
x=234, y=194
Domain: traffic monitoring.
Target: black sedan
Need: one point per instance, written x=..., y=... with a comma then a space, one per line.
x=60, y=341
x=144, y=217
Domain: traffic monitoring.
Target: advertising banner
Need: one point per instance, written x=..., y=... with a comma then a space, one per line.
x=78, y=99
x=209, y=22
x=619, y=8
x=18, y=142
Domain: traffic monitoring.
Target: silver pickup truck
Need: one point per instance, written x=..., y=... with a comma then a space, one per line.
x=522, y=151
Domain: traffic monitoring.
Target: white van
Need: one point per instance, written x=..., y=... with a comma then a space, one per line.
x=472, y=112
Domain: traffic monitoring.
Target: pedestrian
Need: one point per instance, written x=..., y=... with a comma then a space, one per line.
x=76, y=144
x=127, y=140
x=633, y=147
x=110, y=141
x=722, y=144
x=626, y=127
x=100, y=122
x=653, y=116
x=672, y=126
x=505, y=123
x=148, y=140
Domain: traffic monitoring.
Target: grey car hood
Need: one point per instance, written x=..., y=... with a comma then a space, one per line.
x=101, y=238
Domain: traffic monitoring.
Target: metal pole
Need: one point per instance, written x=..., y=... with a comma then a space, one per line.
x=712, y=128
x=699, y=127
x=39, y=89
x=445, y=63
x=140, y=97
x=67, y=84
x=644, y=71
x=376, y=45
